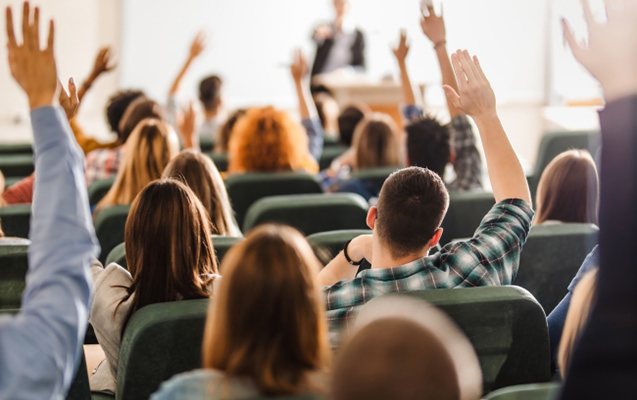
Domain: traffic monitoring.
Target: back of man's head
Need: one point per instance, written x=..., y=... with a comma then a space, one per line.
x=348, y=120
x=411, y=206
x=428, y=144
x=117, y=106
x=210, y=92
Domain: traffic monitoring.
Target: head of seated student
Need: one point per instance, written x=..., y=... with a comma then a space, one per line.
x=221, y=146
x=402, y=348
x=210, y=95
x=582, y=302
x=152, y=144
x=429, y=145
x=406, y=219
x=268, y=140
x=169, y=252
x=116, y=108
x=568, y=190
x=200, y=174
x=376, y=143
x=348, y=121
x=139, y=109
x=267, y=322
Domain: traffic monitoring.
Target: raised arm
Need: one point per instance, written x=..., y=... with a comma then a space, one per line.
x=196, y=48
x=103, y=63
x=40, y=345
x=400, y=52
x=433, y=26
x=307, y=109
x=476, y=99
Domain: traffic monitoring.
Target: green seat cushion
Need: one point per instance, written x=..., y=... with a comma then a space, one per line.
x=310, y=213
x=16, y=164
x=98, y=190
x=16, y=148
x=110, y=224
x=329, y=154
x=376, y=176
x=13, y=268
x=16, y=220
x=466, y=211
x=220, y=160
x=537, y=391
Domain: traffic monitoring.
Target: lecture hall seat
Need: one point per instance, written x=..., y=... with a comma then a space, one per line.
x=16, y=220
x=110, y=224
x=98, y=189
x=534, y=391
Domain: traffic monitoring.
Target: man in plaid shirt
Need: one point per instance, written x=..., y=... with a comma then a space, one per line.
x=411, y=207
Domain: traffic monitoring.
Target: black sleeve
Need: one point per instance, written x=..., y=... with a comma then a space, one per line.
x=358, y=50
x=604, y=364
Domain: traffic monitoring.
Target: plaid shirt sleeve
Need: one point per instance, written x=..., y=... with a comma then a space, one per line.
x=491, y=257
x=468, y=163
x=102, y=164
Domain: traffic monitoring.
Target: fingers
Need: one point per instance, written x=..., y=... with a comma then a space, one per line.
x=570, y=39
x=35, y=29
x=10, y=31
x=25, y=24
x=49, y=46
x=588, y=14
x=467, y=66
x=457, y=68
x=453, y=96
x=476, y=62
x=73, y=90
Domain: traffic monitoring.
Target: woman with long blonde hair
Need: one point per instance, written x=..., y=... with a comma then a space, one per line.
x=200, y=174
x=266, y=331
x=150, y=147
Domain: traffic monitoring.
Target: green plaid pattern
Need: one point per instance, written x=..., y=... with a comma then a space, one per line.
x=490, y=258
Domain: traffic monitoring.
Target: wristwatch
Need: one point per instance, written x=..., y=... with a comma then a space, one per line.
x=349, y=260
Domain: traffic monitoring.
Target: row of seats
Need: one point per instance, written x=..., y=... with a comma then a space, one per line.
x=506, y=326
x=551, y=257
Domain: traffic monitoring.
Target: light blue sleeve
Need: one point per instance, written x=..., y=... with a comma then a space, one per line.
x=40, y=346
x=315, y=134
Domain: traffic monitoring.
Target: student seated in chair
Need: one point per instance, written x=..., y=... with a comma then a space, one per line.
x=406, y=222
x=40, y=346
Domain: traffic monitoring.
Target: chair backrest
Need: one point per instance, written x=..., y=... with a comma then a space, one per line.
x=16, y=220
x=221, y=244
x=466, y=211
x=245, y=189
x=110, y=224
x=554, y=143
x=310, y=213
x=376, y=176
x=98, y=189
x=552, y=255
x=534, y=391
x=14, y=264
x=333, y=242
x=16, y=164
x=220, y=160
x=206, y=144
x=160, y=340
x=16, y=148
x=507, y=328
x=329, y=154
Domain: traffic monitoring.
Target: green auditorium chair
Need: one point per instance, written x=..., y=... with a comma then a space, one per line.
x=12, y=180
x=376, y=176
x=245, y=189
x=13, y=268
x=16, y=220
x=329, y=154
x=160, y=340
x=310, y=213
x=98, y=189
x=536, y=391
x=551, y=257
x=15, y=148
x=466, y=211
x=16, y=165
x=80, y=389
x=507, y=328
x=110, y=224
x=220, y=160
x=221, y=244
x=330, y=141
x=206, y=144
x=554, y=143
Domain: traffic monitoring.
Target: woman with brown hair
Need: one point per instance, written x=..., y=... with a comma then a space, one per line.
x=568, y=190
x=151, y=145
x=200, y=174
x=170, y=257
x=266, y=332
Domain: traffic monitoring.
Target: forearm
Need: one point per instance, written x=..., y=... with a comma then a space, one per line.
x=337, y=270
x=86, y=85
x=409, y=97
x=177, y=82
x=505, y=171
x=448, y=77
x=307, y=108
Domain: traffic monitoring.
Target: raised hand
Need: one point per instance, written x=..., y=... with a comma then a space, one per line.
x=198, y=45
x=402, y=50
x=187, y=127
x=103, y=62
x=34, y=69
x=610, y=55
x=433, y=26
x=70, y=102
x=299, y=67
x=475, y=96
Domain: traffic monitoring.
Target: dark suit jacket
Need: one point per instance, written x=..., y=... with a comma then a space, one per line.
x=323, y=52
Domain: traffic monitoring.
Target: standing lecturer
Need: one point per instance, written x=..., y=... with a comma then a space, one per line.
x=339, y=46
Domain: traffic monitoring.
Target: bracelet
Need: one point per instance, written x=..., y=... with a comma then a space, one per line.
x=349, y=260
x=436, y=45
